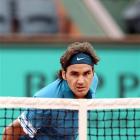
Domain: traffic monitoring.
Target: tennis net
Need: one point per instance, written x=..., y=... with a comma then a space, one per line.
x=73, y=119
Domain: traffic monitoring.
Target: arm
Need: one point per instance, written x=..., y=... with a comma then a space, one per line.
x=13, y=131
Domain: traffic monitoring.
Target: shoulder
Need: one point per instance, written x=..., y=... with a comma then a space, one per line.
x=95, y=79
x=94, y=85
x=52, y=90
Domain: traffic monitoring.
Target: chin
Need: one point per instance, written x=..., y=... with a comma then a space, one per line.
x=81, y=96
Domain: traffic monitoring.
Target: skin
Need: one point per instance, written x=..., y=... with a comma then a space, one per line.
x=79, y=78
x=14, y=127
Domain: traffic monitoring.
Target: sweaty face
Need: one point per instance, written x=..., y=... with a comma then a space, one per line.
x=79, y=78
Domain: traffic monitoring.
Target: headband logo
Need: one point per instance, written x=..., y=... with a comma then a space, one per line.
x=78, y=59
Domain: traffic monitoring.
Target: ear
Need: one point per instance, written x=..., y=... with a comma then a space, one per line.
x=64, y=74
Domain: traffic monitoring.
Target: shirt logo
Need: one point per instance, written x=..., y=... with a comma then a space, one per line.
x=78, y=59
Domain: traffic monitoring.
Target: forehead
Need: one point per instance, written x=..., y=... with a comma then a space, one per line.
x=79, y=68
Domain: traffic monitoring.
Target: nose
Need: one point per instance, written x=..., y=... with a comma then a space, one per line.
x=80, y=80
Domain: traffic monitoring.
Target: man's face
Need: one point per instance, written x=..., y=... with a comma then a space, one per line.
x=79, y=78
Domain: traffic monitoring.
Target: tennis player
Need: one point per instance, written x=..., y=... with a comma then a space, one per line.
x=77, y=79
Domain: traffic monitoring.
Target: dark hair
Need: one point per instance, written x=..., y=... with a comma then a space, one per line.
x=73, y=49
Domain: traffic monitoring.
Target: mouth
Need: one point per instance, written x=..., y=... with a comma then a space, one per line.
x=80, y=89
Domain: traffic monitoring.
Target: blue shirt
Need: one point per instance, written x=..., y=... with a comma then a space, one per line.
x=54, y=126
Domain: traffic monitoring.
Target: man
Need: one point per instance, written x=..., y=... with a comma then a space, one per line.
x=77, y=79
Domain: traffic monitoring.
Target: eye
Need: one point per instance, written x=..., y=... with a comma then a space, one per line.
x=87, y=73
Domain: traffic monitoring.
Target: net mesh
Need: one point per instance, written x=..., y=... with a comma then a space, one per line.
x=72, y=119
x=50, y=124
x=116, y=124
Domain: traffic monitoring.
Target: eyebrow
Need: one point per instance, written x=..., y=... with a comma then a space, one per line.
x=88, y=71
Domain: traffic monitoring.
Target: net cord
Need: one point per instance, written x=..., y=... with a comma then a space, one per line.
x=53, y=103
x=82, y=105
